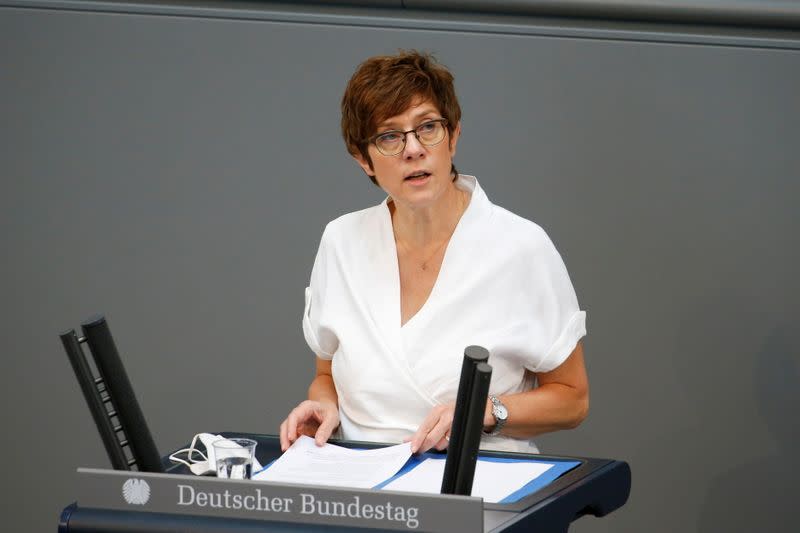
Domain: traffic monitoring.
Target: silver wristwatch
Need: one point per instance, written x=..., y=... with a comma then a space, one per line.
x=500, y=414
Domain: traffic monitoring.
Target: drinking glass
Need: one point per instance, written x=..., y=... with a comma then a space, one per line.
x=234, y=457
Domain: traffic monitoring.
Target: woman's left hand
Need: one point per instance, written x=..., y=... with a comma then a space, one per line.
x=434, y=431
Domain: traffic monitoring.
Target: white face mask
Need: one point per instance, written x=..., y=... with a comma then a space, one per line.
x=201, y=463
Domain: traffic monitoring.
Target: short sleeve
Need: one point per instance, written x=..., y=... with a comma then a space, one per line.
x=320, y=338
x=560, y=321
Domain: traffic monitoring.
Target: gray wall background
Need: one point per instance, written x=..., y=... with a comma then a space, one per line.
x=174, y=171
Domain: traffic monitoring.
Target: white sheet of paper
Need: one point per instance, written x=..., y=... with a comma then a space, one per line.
x=331, y=465
x=493, y=481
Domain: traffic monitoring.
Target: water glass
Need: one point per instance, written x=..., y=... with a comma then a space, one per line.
x=234, y=457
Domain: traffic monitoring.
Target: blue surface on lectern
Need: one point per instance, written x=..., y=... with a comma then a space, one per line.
x=560, y=466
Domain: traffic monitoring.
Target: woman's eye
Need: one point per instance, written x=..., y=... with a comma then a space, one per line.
x=391, y=137
x=427, y=127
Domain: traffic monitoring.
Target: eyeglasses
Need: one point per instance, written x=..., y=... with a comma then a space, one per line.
x=429, y=133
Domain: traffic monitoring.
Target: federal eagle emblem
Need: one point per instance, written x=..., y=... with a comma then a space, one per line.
x=136, y=491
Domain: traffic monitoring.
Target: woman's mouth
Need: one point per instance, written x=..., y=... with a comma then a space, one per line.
x=417, y=177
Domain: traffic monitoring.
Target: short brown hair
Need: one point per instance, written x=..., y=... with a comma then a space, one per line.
x=385, y=86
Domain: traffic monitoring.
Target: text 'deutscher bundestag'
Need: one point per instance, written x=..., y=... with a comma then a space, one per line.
x=208, y=496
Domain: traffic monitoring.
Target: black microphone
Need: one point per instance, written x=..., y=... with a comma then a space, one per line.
x=473, y=356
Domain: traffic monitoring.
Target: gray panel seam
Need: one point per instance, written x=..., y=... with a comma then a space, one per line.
x=407, y=22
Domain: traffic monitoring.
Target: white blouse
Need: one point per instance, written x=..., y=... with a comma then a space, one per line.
x=502, y=285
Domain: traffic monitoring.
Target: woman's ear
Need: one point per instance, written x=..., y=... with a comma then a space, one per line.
x=365, y=165
x=454, y=139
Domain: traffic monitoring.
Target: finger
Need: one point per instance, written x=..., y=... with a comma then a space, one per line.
x=298, y=417
x=295, y=421
x=284, y=437
x=291, y=427
x=417, y=439
x=434, y=436
x=438, y=432
x=427, y=425
x=325, y=430
x=444, y=443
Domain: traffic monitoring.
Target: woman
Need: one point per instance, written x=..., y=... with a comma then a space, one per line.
x=400, y=289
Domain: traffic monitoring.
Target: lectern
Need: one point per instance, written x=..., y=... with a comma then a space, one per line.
x=594, y=487
x=154, y=500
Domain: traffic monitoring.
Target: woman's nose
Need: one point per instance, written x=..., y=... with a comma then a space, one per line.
x=413, y=148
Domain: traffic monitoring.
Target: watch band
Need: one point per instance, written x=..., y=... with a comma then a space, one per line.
x=500, y=414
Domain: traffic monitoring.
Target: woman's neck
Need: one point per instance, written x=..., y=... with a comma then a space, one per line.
x=419, y=228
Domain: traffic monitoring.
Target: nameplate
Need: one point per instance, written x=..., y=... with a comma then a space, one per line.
x=260, y=500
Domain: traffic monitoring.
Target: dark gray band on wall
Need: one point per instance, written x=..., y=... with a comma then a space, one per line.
x=783, y=14
x=749, y=13
x=387, y=14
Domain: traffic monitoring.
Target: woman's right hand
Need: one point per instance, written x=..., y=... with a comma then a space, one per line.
x=318, y=419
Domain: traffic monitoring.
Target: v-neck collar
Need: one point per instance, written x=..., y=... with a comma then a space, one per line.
x=477, y=206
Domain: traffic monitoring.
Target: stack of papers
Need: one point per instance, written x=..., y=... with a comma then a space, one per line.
x=330, y=465
x=305, y=462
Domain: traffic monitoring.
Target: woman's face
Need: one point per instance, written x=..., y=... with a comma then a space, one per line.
x=419, y=175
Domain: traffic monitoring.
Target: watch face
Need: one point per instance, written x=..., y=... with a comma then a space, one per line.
x=500, y=412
